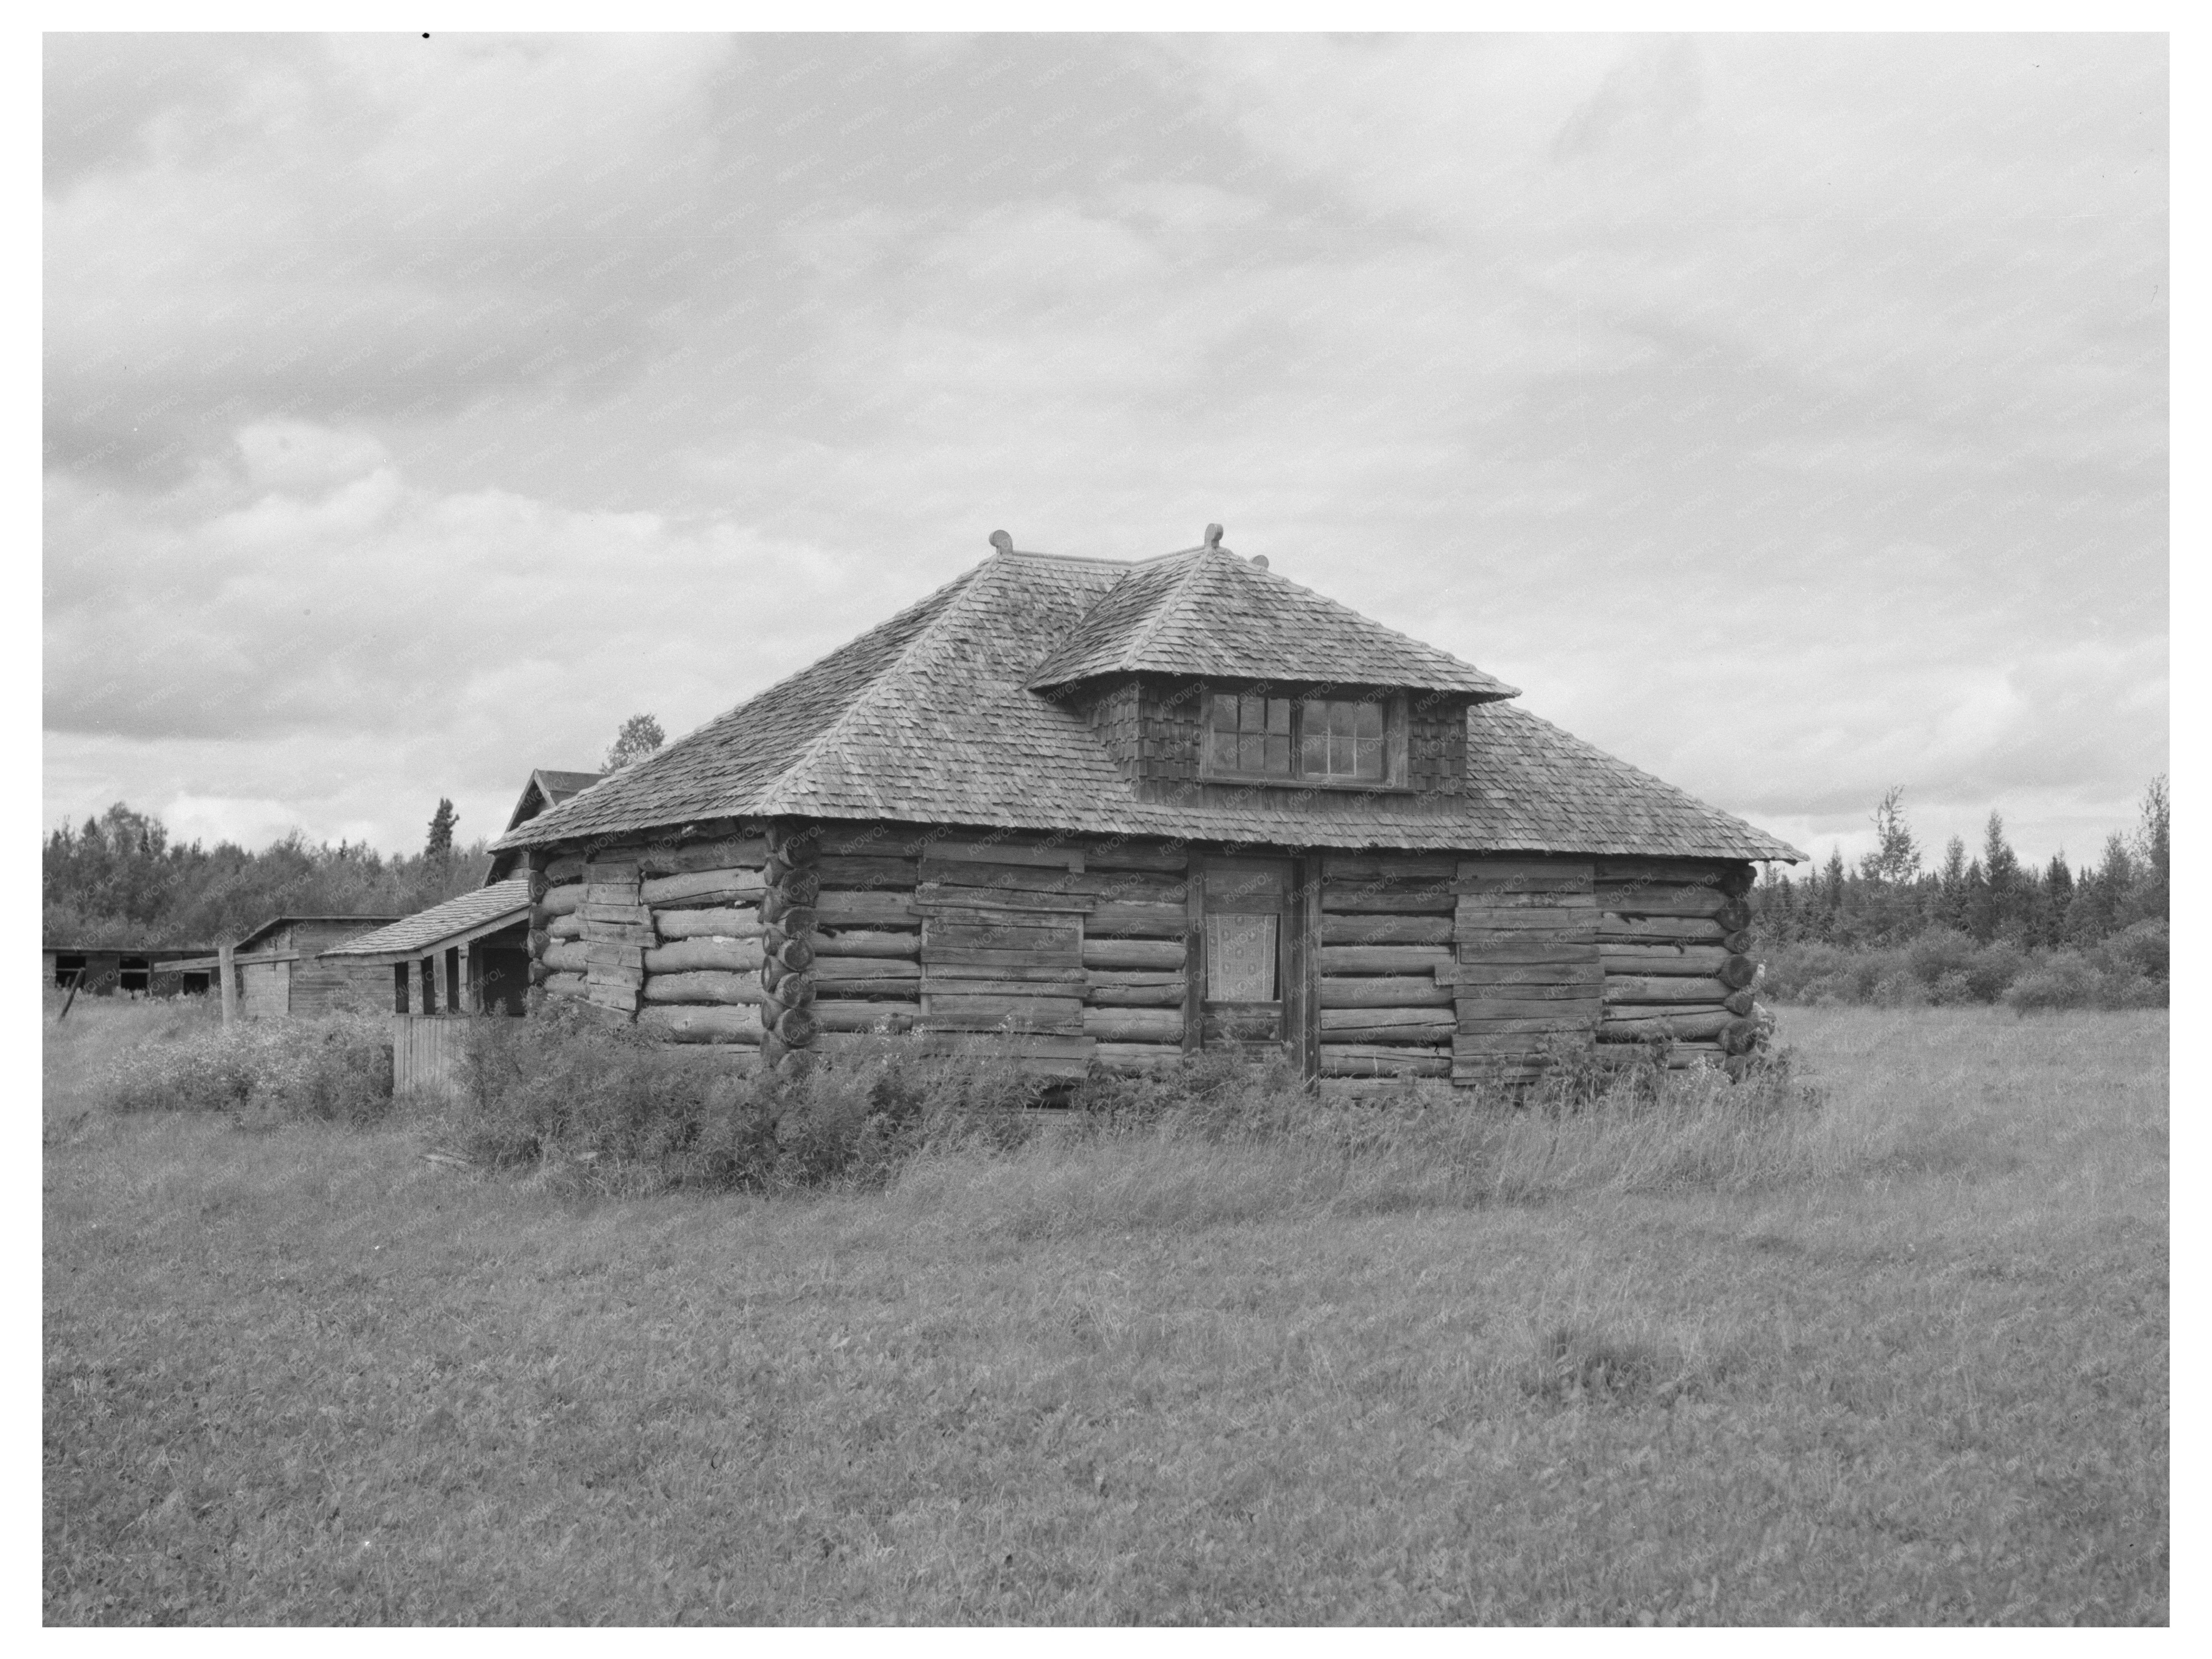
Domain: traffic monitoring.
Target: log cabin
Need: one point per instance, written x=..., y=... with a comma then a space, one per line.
x=546, y=787
x=1110, y=812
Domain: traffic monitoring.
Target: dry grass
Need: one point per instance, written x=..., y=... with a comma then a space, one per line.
x=1906, y=1363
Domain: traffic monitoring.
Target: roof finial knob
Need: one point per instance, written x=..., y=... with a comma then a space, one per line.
x=1259, y=560
x=1213, y=535
x=1001, y=541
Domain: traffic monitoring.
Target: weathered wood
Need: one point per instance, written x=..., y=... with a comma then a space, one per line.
x=1355, y=867
x=1157, y=954
x=1356, y=902
x=615, y=999
x=1383, y=958
x=720, y=955
x=1116, y=919
x=1383, y=1059
x=1634, y=899
x=700, y=1022
x=936, y=919
x=873, y=990
x=1658, y=930
x=1474, y=1012
x=603, y=886
x=1662, y=957
x=1139, y=887
x=1345, y=1024
x=1555, y=983
x=947, y=1010
x=1551, y=920
x=1134, y=1025
x=1167, y=994
x=1137, y=977
x=1136, y=855
x=567, y=868
x=883, y=1017
x=1521, y=951
x=829, y=967
x=1387, y=990
x=703, y=986
x=1535, y=890
x=559, y=901
x=702, y=888
x=1515, y=865
x=1632, y=989
x=883, y=909
x=1011, y=964
x=937, y=898
x=568, y=927
x=861, y=942
x=1044, y=1054
x=1737, y=973
x=1138, y=1056
x=1052, y=943
x=1659, y=871
x=722, y=853
x=1739, y=1002
x=868, y=872
x=565, y=985
x=568, y=956
x=730, y=923
x=613, y=953
x=1686, y=1022
x=620, y=915
x=963, y=849
x=962, y=872
x=1385, y=930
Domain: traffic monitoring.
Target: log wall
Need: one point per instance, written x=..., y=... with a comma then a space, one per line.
x=778, y=940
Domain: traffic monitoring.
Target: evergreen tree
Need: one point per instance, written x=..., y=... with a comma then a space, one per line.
x=640, y=735
x=2152, y=850
x=2054, y=901
x=2004, y=898
x=439, y=845
x=1951, y=886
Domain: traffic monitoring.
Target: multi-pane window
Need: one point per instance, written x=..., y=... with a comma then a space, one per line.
x=1340, y=739
x=1251, y=734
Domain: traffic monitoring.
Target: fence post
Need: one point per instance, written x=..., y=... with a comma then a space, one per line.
x=224, y=954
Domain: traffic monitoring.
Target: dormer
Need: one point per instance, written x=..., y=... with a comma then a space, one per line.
x=1204, y=669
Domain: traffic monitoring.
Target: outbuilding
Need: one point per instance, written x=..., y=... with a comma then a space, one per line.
x=1105, y=811
x=279, y=969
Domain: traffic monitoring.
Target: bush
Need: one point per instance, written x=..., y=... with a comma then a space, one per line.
x=335, y=1070
x=1942, y=966
x=2074, y=979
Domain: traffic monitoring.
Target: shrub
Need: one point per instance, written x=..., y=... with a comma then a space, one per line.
x=334, y=1070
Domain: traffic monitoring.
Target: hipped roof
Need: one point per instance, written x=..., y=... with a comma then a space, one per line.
x=486, y=908
x=936, y=717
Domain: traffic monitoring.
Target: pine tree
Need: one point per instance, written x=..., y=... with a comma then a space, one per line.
x=440, y=846
x=2152, y=850
x=640, y=735
x=1951, y=886
x=2056, y=901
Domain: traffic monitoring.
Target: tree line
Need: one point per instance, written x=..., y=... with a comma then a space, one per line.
x=1989, y=896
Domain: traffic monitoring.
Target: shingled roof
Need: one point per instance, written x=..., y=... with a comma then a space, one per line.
x=934, y=717
x=485, y=909
x=1207, y=613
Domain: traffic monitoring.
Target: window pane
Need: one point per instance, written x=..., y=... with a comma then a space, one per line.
x=1279, y=754
x=1339, y=720
x=1251, y=750
x=1251, y=713
x=1313, y=752
x=1221, y=751
x=1369, y=760
x=1279, y=716
x=1370, y=721
x=1222, y=716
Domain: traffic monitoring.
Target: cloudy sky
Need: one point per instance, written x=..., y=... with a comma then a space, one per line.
x=1787, y=414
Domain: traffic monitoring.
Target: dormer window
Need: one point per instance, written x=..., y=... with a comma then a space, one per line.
x=1344, y=742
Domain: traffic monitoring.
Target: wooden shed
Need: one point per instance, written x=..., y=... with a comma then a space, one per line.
x=469, y=955
x=278, y=969
x=125, y=969
x=1111, y=811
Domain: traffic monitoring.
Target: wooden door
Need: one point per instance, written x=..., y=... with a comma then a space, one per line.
x=1250, y=986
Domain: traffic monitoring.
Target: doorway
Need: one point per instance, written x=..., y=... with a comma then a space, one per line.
x=1256, y=965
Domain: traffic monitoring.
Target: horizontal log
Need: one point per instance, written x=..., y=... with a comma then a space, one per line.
x=1556, y=985
x=1550, y=923
x=1386, y=991
x=1134, y=1024
x=560, y=901
x=1004, y=965
x=568, y=957
x=1422, y=1037
x=1521, y=950
x=959, y=1013
x=722, y=955
x=1396, y=867
x=615, y=999
x=1689, y=1023
x=1737, y=973
x=1137, y=887
x=1385, y=930
x=863, y=872
x=1133, y=953
x=1167, y=995
x=696, y=1023
x=1116, y=919
x=703, y=986
x=828, y=968
x=1472, y=1012
x=864, y=942
x=882, y=1017
x=1055, y=973
x=613, y=953
x=1383, y=1059
x=568, y=927
x=722, y=923
x=962, y=872
x=565, y=985
x=1633, y=988
x=1354, y=901
x=936, y=899
x=1639, y=899
x=610, y=872
x=1138, y=1056
x=1134, y=855
x=1533, y=1026
x=687, y=858
x=863, y=910
x=1038, y=1054
x=874, y=990
x=1038, y=854
x=702, y=888
x=1662, y=958
x=1384, y=958
x=1499, y=866
x=1654, y=930
x=1137, y=977
x=998, y=930
x=620, y=915
x=1438, y=1020
x=1534, y=889
x=567, y=868
x=1660, y=872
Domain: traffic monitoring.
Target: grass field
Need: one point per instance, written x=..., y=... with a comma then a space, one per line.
x=300, y=1375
